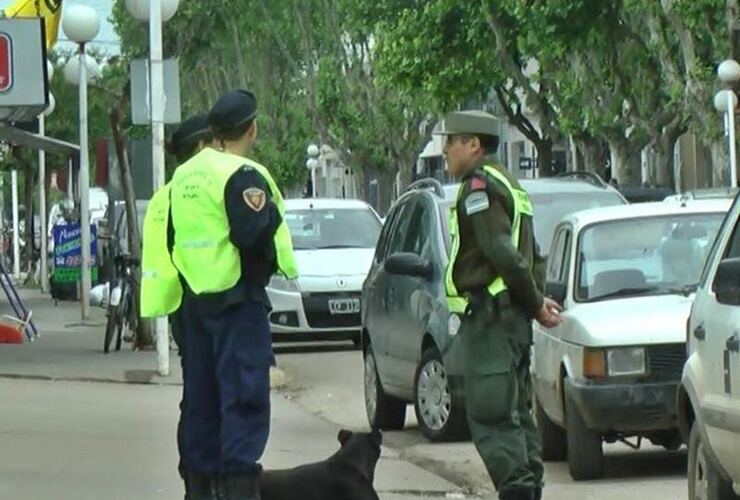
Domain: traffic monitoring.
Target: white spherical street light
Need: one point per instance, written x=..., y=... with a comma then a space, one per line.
x=729, y=71
x=313, y=151
x=721, y=98
x=72, y=69
x=81, y=23
x=139, y=9
x=312, y=163
x=52, y=105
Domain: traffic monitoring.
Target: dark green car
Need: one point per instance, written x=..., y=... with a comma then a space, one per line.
x=410, y=355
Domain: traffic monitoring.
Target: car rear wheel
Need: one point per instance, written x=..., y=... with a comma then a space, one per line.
x=440, y=417
x=585, y=452
x=383, y=411
x=705, y=479
x=554, y=444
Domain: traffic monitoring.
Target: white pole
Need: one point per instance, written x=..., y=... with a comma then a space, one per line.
x=313, y=182
x=42, y=208
x=731, y=138
x=16, y=241
x=157, y=100
x=70, y=179
x=84, y=186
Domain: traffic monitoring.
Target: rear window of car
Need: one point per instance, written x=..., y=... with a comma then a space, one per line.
x=317, y=229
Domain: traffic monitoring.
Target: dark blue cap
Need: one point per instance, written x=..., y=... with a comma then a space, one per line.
x=192, y=129
x=233, y=109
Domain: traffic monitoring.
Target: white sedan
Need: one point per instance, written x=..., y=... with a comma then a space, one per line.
x=626, y=277
x=334, y=242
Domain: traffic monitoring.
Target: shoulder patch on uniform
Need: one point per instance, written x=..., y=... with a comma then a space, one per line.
x=477, y=184
x=255, y=198
x=477, y=201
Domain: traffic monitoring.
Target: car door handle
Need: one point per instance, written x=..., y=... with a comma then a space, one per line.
x=733, y=344
x=700, y=333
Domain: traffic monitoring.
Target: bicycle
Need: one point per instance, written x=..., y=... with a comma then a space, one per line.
x=121, y=311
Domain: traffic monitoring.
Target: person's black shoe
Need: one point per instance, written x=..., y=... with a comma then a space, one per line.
x=199, y=487
x=517, y=494
x=239, y=487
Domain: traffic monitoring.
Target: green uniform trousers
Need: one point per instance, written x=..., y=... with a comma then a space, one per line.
x=497, y=337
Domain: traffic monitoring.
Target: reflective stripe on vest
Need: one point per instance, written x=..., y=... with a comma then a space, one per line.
x=161, y=290
x=203, y=250
x=522, y=206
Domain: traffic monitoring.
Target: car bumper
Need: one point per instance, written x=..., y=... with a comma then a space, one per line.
x=625, y=408
x=291, y=320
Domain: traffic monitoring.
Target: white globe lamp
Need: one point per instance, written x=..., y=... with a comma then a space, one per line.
x=312, y=163
x=313, y=151
x=729, y=71
x=80, y=23
x=139, y=9
x=72, y=69
x=721, y=100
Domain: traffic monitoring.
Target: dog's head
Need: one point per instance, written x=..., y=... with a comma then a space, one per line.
x=360, y=450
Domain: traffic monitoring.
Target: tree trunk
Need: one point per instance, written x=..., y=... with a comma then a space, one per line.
x=623, y=165
x=545, y=165
x=720, y=163
x=144, y=336
x=594, y=154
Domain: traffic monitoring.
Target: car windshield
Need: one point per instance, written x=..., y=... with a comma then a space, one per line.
x=316, y=229
x=645, y=256
x=550, y=208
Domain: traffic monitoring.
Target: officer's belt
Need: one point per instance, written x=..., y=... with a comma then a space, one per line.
x=479, y=298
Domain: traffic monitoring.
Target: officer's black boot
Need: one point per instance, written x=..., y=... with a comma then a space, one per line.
x=517, y=494
x=200, y=487
x=538, y=493
x=239, y=487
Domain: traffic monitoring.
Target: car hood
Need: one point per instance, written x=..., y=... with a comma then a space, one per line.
x=334, y=262
x=631, y=321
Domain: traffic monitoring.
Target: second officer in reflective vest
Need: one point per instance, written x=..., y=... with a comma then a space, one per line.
x=491, y=287
x=230, y=237
x=161, y=290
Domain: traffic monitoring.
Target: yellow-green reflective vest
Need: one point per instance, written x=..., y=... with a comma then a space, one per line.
x=161, y=290
x=203, y=252
x=522, y=206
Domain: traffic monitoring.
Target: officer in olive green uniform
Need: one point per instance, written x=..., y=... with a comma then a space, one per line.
x=491, y=285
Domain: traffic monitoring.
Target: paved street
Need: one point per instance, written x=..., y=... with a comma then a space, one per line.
x=330, y=384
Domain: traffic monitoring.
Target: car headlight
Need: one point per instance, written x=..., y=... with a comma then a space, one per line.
x=626, y=361
x=283, y=284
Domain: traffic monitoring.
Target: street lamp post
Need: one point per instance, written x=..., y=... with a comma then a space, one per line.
x=156, y=12
x=81, y=24
x=726, y=101
x=42, y=192
x=312, y=164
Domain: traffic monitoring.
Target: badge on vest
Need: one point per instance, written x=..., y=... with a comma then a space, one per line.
x=476, y=201
x=254, y=198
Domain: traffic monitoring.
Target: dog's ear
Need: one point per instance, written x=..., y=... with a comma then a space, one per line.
x=343, y=436
x=376, y=436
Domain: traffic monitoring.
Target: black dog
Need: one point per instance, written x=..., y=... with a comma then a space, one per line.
x=346, y=475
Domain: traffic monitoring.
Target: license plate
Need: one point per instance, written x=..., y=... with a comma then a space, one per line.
x=344, y=306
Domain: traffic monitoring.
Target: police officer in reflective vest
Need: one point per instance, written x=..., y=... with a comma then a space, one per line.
x=230, y=237
x=491, y=286
x=161, y=291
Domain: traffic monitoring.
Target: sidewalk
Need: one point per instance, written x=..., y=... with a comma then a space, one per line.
x=67, y=431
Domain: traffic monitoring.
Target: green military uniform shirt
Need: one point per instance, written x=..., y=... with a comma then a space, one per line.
x=486, y=251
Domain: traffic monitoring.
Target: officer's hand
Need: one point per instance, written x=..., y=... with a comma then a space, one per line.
x=549, y=314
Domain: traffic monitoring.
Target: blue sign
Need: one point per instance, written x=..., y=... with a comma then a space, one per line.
x=68, y=252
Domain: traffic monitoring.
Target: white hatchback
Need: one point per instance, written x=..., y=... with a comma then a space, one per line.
x=625, y=276
x=334, y=242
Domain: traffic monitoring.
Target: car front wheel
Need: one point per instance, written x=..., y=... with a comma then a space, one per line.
x=554, y=446
x=705, y=479
x=440, y=417
x=383, y=411
x=585, y=451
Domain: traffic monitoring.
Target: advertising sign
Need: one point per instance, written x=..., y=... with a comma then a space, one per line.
x=68, y=252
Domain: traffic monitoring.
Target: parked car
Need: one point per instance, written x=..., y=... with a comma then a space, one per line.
x=709, y=395
x=410, y=354
x=334, y=241
x=625, y=277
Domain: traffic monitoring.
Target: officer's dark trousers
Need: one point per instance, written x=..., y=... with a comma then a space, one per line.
x=496, y=337
x=226, y=391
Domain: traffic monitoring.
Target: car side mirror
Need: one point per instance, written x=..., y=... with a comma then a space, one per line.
x=727, y=282
x=557, y=291
x=408, y=264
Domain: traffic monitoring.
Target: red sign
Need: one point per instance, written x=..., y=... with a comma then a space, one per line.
x=6, y=63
